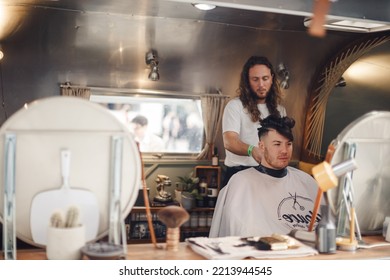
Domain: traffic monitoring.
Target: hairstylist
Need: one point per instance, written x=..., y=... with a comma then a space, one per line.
x=258, y=97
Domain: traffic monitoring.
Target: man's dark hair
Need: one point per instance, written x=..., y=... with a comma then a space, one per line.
x=282, y=125
x=141, y=120
x=248, y=98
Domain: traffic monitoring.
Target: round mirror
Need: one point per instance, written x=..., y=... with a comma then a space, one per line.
x=367, y=139
x=42, y=130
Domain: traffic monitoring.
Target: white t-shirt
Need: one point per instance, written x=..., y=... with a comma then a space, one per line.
x=257, y=204
x=150, y=143
x=237, y=119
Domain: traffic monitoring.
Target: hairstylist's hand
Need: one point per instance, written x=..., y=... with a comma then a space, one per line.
x=256, y=154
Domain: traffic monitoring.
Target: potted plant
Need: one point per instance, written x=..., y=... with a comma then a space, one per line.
x=188, y=182
x=184, y=190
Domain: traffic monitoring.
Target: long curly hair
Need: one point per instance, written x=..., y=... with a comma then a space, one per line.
x=248, y=97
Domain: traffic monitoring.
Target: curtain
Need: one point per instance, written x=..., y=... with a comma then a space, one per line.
x=212, y=110
x=82, y=92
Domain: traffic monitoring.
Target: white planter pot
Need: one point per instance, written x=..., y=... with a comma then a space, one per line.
x=187, y=201
x=65, y=243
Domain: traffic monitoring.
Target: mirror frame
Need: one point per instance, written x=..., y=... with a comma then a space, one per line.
x=322, y=87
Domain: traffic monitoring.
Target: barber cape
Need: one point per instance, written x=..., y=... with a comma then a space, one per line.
x=257, y=204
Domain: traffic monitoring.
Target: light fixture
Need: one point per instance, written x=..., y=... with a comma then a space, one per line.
x=284, y=74
x=151, y=60
x=1, y=52
x=352, y=25
x=203, y=6
x=341, y=83
x=154, y=75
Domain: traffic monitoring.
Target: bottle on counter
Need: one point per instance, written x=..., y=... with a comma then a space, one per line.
x=212, y=191
x=326, y=232
x=215, y=158
x=203, y=187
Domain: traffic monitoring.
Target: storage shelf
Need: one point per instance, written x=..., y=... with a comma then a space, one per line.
x=208, y=171
x=138, y=229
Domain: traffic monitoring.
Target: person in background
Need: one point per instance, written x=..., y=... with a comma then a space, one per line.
x=148, y=142
x=271, y=197
x=171, y=128
x=258, y=96
x=193, y=132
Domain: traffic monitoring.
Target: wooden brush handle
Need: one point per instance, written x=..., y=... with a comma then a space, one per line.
x=173, y=239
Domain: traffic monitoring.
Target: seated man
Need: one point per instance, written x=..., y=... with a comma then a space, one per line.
x=148, y=142
x=270, y=198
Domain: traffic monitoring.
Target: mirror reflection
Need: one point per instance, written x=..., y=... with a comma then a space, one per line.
x=159, y=124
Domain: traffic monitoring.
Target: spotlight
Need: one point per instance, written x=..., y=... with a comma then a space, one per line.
x=154, y=75
x=1, y=52
x=151, y=60
x=284, y=75
x=341, y=83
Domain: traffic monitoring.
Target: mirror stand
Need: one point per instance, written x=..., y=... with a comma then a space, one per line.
x=9, y=233
x=345, y=205
x=117, y=229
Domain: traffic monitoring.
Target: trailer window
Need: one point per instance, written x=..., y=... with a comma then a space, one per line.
x=159, y=124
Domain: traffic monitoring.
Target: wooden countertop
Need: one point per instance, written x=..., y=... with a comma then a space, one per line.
x=149, y=252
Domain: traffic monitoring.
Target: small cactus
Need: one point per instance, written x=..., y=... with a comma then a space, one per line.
x=71, y=220
x=72, y=217
x=56, y=220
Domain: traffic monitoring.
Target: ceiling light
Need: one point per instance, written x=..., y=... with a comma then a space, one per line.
x=352, y=25
x=204, y=7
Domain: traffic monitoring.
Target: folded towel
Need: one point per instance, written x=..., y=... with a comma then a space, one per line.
x=236, y=248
